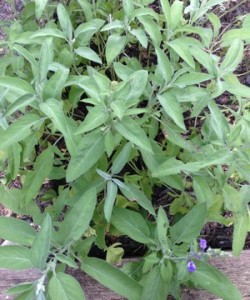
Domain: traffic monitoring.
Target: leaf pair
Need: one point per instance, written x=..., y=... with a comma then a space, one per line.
x=20, y=257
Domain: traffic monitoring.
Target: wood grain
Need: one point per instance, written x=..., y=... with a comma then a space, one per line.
x=236, y=268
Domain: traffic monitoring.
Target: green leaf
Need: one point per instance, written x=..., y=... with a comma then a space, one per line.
x=122, y=71
x=192, y=78
x=205, y=34
x=246, y=21
x=40, y=6
x=113, y=25
x=20, y=103
x=152, y=29
x=164, y=64
x=138, y=82
x=136, y=111
x=205, y=59
x=141, y=37
x=16, y=231
x=145, y=11
x=162, y=225
x=114, y=253
x=182, y=49
x=41, y=245
x=119, y=108
x=28, y=146
x=241, y=223
x=232, y=199
x=215, y=20
x=134, y=194
x=201, y=11
x=88, y=85
x=132, y=88
x=132, y=224
x=166, y=11
x=53, y=109
x=169, y=167
x=77, y=220
x=65, y=287
x=53, y=88
x=88, y=53
x=218, y=122
x=189, y=227
x=34, y=180
x=48, y=32
x=233, y=56
x=128, y=7
x=85, y=31
x=85, y=159
x=172, y=108
x=173, y=166
x=176, y=12
x=17, y=85
x=214, y=281
x=235, y=34
x=102, y=81
x=234, y=86
x=19, y=130
x=64, y=21
x=104, y=175
x=154, y=287
x=45, y=59
x=28, y=56
x=10, y=198
x=28, y=295
x=109, y=142
x=14, y=158
x=96, y=116
x=121, y=159
x=15, y=257
x=20, y=288
x=202, y=190
x=112, y=278
x=130, y=129
x=177, y=139
x=220, y=157
x=110, y=199
x=86, y=9
x=114, y=46
x=67, y=260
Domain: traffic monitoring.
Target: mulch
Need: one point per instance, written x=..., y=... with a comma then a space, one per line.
x=6, y=10
x=9, y=11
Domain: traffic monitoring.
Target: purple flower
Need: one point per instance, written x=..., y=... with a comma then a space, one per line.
x=191, y=266
x=203, y=244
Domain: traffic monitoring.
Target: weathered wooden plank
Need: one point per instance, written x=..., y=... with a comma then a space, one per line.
x=237, y=269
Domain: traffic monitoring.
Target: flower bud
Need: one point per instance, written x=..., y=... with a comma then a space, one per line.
x=203, y=244
x=191, y=266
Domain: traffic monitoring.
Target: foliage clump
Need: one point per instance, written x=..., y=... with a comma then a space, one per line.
x=114, y=100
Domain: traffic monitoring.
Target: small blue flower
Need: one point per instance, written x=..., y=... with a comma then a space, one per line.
x=203, y=244
x=191, y=266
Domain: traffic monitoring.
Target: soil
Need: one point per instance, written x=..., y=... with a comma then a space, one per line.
x=218, y=236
